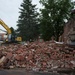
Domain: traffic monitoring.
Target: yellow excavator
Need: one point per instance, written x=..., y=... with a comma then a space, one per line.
x=9, y=38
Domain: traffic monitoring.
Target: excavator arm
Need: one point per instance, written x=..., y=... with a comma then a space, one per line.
x=7, y=28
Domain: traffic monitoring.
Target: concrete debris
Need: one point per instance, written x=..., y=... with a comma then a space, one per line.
x=2, y=59
x=37, y=56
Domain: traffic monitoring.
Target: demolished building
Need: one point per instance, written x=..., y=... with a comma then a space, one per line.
x=69, y=30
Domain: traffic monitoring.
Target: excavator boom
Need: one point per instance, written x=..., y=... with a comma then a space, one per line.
x=5, y=26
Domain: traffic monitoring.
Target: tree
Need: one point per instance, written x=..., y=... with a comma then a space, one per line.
x=13, y=31
x=13, y=34
x=28, y=27
x=53, y=16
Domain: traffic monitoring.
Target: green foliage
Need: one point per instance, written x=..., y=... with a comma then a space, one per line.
x=12, y=31
x=13, y=34
x=28, y=27
x=53, y=16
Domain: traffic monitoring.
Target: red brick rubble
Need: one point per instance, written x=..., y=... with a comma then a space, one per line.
x=37, y=56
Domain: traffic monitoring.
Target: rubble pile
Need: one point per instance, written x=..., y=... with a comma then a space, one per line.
x=37, y=56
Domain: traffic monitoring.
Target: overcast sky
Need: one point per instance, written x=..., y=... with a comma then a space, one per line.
x=9, y=11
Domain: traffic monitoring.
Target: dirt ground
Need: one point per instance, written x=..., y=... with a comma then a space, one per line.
x=24, y=72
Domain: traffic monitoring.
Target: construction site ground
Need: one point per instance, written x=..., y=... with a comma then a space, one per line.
x=25, y=72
